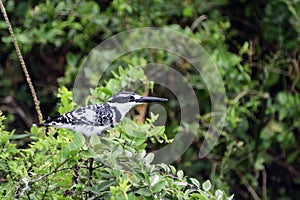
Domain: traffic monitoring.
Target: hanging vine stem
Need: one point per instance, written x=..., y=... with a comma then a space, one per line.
x=35, y=99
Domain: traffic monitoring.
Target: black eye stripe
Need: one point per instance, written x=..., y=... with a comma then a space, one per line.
x=122, y=99
x=131, y=98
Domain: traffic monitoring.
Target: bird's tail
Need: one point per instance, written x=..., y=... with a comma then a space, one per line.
x=40, y=125
x=49, y=122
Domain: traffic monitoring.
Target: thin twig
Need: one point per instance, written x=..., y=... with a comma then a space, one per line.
x=53, y=171
x=28, y=79
x=248, y=186
x=91, y=174
x=45, y=192
x=197, y=21
x=14, y=107
x=294, y=172
x=295, y=64
x=264, y=184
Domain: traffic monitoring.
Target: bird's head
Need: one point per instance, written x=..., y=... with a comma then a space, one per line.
x=131, y=99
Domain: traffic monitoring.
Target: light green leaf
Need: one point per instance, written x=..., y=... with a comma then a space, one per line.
x=206, y=185
x=160, y=185
x=149, y=158
x=198, y=196
x=195, y=182
x=154, y=180
x=173, y=169
x=94, y=140
x=219, y=194
x=143, y=192
x=282, y=98
x=78, y=140
x=180, y=174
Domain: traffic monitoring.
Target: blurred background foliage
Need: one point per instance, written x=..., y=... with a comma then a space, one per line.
x=255, y=45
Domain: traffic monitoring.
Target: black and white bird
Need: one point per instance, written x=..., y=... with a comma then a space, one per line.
x=93, y=119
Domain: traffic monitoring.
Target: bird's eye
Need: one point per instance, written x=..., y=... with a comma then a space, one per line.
x=131, y=98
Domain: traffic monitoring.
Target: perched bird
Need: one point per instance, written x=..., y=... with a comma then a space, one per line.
x=93, y=119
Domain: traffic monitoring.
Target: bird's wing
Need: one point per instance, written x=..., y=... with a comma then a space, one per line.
x=66, y=118
x=95, y=115
x=92, y=115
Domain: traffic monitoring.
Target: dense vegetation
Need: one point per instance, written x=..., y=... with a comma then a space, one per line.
x=255, y=46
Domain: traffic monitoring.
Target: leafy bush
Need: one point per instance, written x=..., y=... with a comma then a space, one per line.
x=64, y=165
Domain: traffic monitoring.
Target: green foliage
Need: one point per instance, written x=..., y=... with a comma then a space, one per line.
x=256, y=48
x=67, y=165
x=287, y=23
x=113, y=167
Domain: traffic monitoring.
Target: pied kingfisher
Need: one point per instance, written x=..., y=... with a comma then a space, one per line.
x=93, y=119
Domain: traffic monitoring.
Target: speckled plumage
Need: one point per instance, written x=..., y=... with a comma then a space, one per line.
x=93, y=119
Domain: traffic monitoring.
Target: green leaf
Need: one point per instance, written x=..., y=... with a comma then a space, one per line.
x=197, y=196
x=71, y=59
x=173, y=169
x=180, y=174
x=160, y=185
x=187, y=12
x=219, y=194
x=292, y=156
x=206, y=185
x=87, y=153
x=65, y=154
x=149, y=158
x=282, y=98
x=105, y=185
x=3, y=25
x=34, y=130
x=94, y=140
x=158, y=131
x=121, y=71
x=154, y=180
x=139, y=141
x=19, y=136
x=23, y=38
x=144, y=192
x=259, y=163
x=245, y=48
x=73, y=149
x=283, y=113
x=78, y=140
x=181, y=183
x=105, y=142
x=195, y=182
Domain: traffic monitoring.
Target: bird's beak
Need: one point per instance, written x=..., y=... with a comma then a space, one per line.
x=150, y=99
